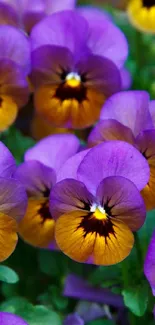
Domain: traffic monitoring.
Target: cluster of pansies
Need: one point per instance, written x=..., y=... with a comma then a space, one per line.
x=84, y=198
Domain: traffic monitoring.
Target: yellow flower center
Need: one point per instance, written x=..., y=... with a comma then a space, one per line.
x=73, y=80
x=98, y=212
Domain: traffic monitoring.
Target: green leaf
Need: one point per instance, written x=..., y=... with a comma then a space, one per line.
x=56, y=264
x=34, y=315
x=8, y=275
x=105, y=276
x=101, y=322
x=10, y=290
x=40, y=315
x=136, y=298
x=53, y=297
x=16, y=305
x=146, y=231
x=17, y=143
x=52, y=263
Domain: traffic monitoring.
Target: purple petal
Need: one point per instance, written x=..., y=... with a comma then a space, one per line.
x=110, y=130
x=92, y=13
x=145, y=143
x=10, y=319
x=54, y=150
x=73, y=319
x=123, y=200
x=69, y=195
x=13, y=82
x=15, y=47
x=126, y=78
x=131, y=108
x=78, y=288
x=8, y=15
x=101, y=73
x=35, y=177
x=152, y=111
x=90, y=311
x=32, y=12
x=113, y=158
x=106, y=39
x=149, y=265
x=7, y=162
x=69, y=169
x=47, y=62
x=55, y=29
x=59, y=5
x=13, y=198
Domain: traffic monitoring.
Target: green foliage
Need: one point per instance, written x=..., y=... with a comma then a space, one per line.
x=40, y=315
x=8, y=275
x=34, y=315
x=17, y=143
x=53, y=296
x=136, y=298
x=56, y=264
x=146, y=231
x=105, y=276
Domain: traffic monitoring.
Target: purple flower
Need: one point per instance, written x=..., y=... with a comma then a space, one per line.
x=105, y=38
x=73, y=77
x=78, y=288
x=38, y=175
x=89, y=311
x=152, y=111
x=149, y=265
x=14, y=67
x=130, y=108
x=15, y=47
x=126, y=79
x=13, y=203
x=10, y=319
x=73, y=319
x=126, y=116
x=26, y=13
x=96, y=212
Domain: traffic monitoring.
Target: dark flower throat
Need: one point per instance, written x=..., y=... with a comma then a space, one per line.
x=148, y=3
x=103, y=228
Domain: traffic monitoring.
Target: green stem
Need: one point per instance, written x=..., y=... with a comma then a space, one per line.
x=140, y=49
x=125, y=280
x=132, y=319
x=138, y=249
x=124, y=268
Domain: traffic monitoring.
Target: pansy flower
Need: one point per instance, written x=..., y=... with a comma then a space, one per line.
x=73, y=319
x=38, y=175
x=41, y=128
x=126, y=116
x=10, y=319
x=13, y=202
x=26, y=13
x=14, y=67
x=141, y=13
x=149, y=265
x=78, y=288
x=75, y=67
x=97, y=212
